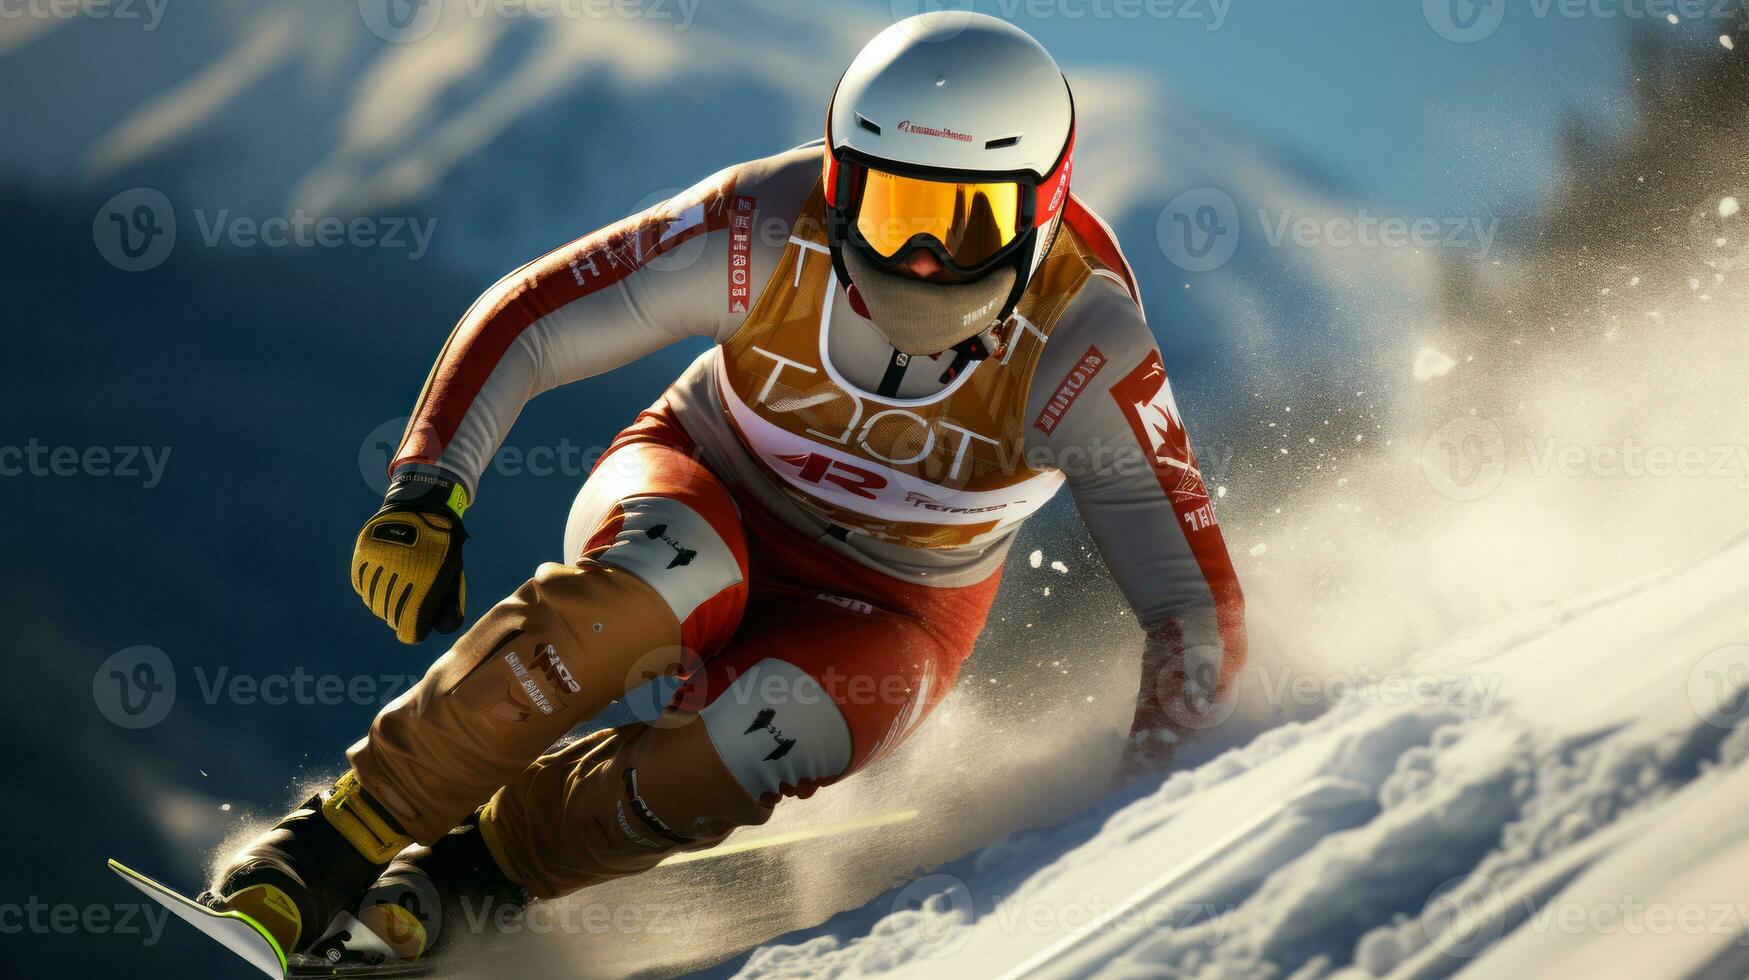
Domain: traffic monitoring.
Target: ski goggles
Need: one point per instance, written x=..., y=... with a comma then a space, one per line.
x=967, y=224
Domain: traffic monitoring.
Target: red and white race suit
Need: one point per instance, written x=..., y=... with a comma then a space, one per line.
x=802, y=526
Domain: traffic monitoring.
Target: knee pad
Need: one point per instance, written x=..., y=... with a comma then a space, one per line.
x=697, y=567
x=777, y=730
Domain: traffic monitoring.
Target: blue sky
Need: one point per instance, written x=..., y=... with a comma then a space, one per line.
x=1367, y=89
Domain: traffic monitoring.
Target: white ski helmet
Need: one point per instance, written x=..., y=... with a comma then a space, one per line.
x=950, y=132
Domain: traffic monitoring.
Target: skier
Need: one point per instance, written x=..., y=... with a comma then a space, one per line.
x=920, y=336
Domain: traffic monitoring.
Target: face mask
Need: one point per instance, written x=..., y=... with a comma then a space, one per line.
x=922, y=318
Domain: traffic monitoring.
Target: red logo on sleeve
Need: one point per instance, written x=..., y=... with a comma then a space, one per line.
x=1147, y=402
x=1069, y=389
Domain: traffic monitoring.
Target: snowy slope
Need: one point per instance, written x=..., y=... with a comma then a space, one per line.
x=1556, y=795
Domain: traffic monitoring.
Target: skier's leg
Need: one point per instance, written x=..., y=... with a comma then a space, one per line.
x=813, y=688
x=658, y=581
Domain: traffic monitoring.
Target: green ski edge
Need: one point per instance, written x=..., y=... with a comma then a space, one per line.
x=211, y=922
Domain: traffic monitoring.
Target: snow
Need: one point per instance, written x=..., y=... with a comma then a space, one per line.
x=1431, y=363
x=1556, y=794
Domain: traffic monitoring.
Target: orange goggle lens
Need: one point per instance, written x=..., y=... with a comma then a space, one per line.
x=972, y=221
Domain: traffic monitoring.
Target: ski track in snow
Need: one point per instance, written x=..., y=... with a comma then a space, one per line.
x=1564, y=797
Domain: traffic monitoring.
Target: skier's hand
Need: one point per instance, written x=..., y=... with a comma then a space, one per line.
x=407, y=564
x=1181, y=695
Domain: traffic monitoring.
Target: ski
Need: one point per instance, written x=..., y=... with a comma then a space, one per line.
x=232, y=930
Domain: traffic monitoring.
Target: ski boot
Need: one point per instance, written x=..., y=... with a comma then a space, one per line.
x=310, y=866
x=424, y=903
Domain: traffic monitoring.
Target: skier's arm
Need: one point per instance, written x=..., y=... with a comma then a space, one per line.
x=1104, y=413
x=687, y=267
x=584, y=309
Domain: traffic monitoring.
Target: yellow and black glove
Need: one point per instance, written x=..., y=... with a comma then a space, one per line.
x=407, y=565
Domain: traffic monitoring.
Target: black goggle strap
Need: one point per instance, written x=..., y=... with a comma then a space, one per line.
x=965, y=352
